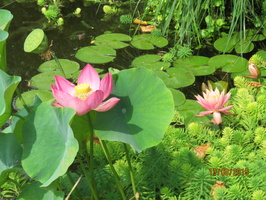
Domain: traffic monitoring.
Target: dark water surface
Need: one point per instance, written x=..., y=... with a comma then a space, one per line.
x=27, y=17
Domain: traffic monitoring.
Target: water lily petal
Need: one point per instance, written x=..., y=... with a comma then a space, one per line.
x=95, y=99
x=106, y=85
x=203, y=102
x=89, y=75
x=66, y=100
x=226, y=108
x=64, y=85
x=217, y=118
x=204, y=113
x=107, y=105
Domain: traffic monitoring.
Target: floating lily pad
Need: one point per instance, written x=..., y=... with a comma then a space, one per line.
x=197, y=65
x=189, y=109
x=244, y=47
x=229, y=63
x=68, y=66
x=36, y=42
x=113, y=40
x=44, y=80
x=147, y=41
x=150, y=61
x=225, y=44
x=96, y=54
x=29, y=97
x=179, y=97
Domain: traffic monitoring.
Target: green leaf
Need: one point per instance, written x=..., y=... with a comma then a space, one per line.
x=6, y=18
x=189, y=109
x=10, y=155
x=68, y=66
x=35, y=191
x=28, y=97
x=147, y=41
x=143, y=114
x=225, y=44
x=182, y=77
x=8, y=85
x=150, y=61
x=244, y=47
x=229, y=63
x=197, y=65
x=49, y=143
x=36, y=42
x=179, y=97
x=113, y=40
x=173, y=80
x=96, y=54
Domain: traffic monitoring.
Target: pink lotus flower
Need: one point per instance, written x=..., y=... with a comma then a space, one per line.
x=87, y=95
x=214, y=101
x=254, y=71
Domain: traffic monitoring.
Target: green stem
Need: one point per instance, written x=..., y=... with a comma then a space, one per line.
x=59, y=65
x=118, y=182
x=130, y=170
x=73, y=183
x=91, y=163
x=22, y=100
x=94, y=194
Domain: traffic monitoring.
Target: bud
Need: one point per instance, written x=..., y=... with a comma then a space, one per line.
x=254, y=71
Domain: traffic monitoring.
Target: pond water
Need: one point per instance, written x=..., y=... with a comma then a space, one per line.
x=27, y=17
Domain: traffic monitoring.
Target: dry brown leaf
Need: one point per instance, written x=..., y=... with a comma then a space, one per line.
x=146, y=29
x=138, y=21
x=201, y=150
x=216, y=185
x=95, y=139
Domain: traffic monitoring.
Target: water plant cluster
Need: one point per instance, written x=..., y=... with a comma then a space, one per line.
x=172, y=124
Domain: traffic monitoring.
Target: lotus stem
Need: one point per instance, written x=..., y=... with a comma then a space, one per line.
x=118, y=182
x=94, y=194
x=59, y=65
x=22, y=100
x=130, y=170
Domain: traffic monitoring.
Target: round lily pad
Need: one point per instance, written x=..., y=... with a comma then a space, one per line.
x=225, y=44
x=96, y=54
x=244, y=47
x=68, y=66
x=36, y=42
x=147, y=41
x=229, y=63
x=150, y=61
x=44, y=80
x=197, y=65
x=113, y=40
x=179, y=97
x=6, y=18
x=189, y=109
x=29, y=96
x=176, y=78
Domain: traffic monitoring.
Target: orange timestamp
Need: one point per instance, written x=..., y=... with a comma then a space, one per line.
x=233, y=172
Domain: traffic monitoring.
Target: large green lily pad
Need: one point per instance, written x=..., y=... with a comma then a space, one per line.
x=29, y=97
x=147, y=41
x=113, y=40
x=179, y=97
x=150, y=61
x=197, y=65
x=143, y=114
x=68, y=66
x=225, y=44
x=49, y=144
x=96, y=54
x=8, y=85
x=229, y=63
x=44, y=80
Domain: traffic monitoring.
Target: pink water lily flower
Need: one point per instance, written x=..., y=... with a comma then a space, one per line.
x=87, y=95
x=214, y=101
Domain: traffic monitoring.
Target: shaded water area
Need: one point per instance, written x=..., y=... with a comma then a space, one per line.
x=27, y=17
